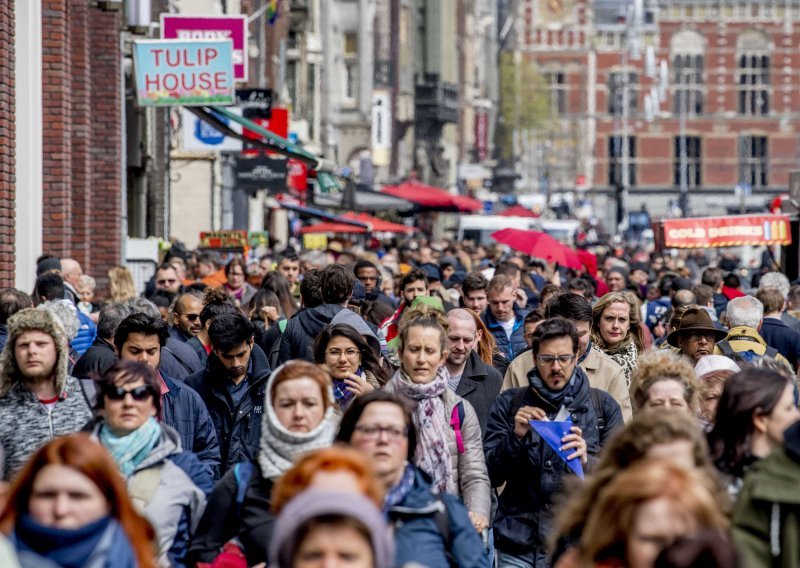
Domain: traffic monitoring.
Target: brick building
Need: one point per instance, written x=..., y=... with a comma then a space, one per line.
x=726, y=116
x=61, y=149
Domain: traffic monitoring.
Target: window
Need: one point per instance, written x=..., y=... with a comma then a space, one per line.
x=753, y=56
x=618, y=89
x=558, y=99
x=753, y=169
x=350, y=59
x=615, y=160
x=692, y=162
x=687, y=53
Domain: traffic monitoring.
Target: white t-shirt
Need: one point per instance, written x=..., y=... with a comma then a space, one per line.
x=508, y=326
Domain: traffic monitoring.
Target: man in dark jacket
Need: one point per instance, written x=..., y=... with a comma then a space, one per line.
x=233, y=387
x=470, y=378
x=101, y=355
x=504, y=320
x=140, y=337
x=186, y=315
x=519, y=458
x=776, y=333
x=368, y=274
x=11, y=301
x=298, y=340
x=178, y=360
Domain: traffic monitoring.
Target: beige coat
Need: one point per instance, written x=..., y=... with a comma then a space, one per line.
x=468, y=469
x=603, y=373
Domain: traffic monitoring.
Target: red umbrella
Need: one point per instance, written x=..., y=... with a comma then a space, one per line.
x=518, y=211
x=538, y=244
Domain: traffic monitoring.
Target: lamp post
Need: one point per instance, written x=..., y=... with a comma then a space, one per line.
x=631, y=50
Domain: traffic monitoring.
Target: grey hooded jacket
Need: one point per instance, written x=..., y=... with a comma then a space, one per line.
x=25, y=423
x=170, y=488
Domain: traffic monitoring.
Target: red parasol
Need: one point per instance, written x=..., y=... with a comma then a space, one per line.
x=538, y=244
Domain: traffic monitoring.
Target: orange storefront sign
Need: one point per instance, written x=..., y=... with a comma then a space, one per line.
x=733, y=231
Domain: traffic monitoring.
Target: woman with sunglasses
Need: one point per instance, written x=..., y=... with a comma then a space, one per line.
x=169, y=486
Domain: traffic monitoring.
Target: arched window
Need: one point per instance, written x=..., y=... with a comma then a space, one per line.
x=753, y=57
x=687, y=51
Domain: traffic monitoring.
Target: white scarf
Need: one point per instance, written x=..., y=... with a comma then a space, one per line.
x=280, y=447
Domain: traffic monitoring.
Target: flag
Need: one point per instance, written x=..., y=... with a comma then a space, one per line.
x=272, y=11
x=552, y=432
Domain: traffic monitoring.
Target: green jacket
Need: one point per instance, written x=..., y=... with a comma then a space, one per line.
x=766, y=517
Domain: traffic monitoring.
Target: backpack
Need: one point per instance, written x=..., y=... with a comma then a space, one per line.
x=748, y=356
x=519, y=397
x=232, y=554
x=275, y=348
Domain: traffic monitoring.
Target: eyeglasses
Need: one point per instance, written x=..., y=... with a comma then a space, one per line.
x=138, y=394
x=373, y=432
x=162, y=282
x=550, y=359
x=191, y=317
x=349, y=353
x=698, y=335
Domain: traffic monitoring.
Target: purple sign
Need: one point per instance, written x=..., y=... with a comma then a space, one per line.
x=174, y=26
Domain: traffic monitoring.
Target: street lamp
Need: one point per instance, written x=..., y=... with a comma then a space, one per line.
x=634, y=21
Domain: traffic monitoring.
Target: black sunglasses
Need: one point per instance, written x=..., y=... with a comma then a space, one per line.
x=139, y=393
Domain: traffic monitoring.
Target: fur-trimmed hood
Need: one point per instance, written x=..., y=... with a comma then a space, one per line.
x=28, y=320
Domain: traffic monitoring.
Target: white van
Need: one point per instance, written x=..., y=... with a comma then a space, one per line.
x=562, y=230
x=478, y=228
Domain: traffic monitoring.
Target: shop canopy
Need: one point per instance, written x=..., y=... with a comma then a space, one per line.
x=518, y=211
x=432, y=198
x=362, y=200
x=313, y=213
x=374, y=225
x=731, y=231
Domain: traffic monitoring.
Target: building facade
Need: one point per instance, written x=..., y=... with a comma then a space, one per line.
x=698, y=97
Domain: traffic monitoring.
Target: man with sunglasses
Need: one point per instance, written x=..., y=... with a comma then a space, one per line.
x=518, y=456
x=38, y=399
x=140, y=337
x=186, y=316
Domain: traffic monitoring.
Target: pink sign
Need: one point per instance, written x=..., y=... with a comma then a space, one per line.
x=174, y=26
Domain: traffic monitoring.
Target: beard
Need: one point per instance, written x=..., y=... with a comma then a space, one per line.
x=36, y=373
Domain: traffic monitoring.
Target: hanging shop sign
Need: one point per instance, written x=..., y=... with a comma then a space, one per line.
x=234, y=28
x=183, y=72
x=732, y=231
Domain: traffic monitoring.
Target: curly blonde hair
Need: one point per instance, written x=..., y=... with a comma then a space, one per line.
x=635, y=332
x=611, y=521
x=626, y=448
x=662, y=365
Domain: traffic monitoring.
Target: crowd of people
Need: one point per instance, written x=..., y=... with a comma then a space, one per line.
x=417, y=403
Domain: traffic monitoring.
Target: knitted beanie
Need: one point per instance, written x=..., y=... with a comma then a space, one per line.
x=314, y=503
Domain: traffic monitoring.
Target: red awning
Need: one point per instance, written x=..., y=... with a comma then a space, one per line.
x=379, y=225
x=376, y=225
x=329, y=227
x=430, y=197
x=519, y=211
